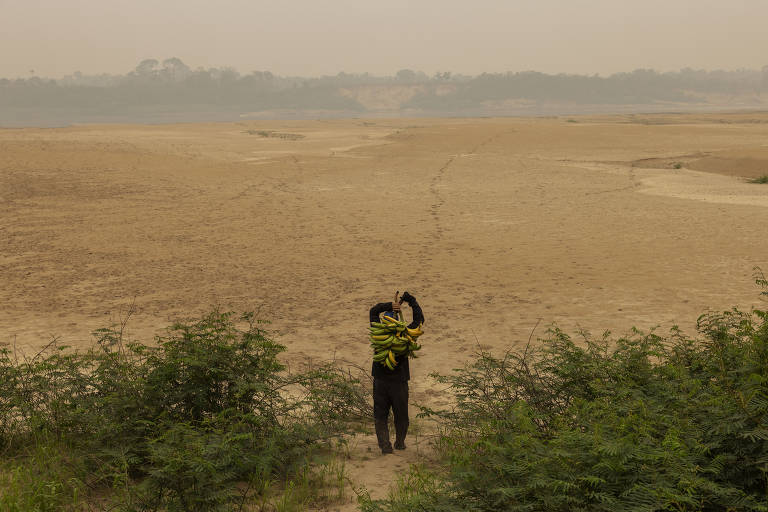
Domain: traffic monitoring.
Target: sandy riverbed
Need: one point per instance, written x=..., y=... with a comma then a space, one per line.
x=492, y=223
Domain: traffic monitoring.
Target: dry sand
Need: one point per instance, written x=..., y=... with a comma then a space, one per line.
x=492, y=223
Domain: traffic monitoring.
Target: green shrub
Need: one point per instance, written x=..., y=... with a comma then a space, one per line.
x=761, y=180
x=202, y=369
x=179, y=425
x=642, y=423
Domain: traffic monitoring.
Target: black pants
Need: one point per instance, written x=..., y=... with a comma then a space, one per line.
x=390, y=394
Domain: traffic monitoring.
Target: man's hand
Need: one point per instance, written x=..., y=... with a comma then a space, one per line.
x=396, y=307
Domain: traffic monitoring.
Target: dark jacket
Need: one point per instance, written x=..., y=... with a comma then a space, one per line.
x=402, y=370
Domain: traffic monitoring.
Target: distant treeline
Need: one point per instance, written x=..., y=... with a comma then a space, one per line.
x=172, y=85
x=638, y=87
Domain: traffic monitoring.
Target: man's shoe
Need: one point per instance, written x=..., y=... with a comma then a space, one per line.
x=399, y=445
x=385, y=451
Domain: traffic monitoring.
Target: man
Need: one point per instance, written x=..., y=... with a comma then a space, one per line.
x=390, y=387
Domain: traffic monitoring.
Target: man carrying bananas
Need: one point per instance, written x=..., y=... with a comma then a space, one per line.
x=390, y=380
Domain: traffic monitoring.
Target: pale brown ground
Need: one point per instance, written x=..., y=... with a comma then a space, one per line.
x=492, y=223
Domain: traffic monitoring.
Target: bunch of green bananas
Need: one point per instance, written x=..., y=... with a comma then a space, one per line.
x=391, y=338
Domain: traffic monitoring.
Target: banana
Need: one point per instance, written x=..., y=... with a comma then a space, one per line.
x=386, y=341
x=392, y=337
x=415, y=332
x=418, y=331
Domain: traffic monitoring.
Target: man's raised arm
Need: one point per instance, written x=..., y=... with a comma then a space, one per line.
x=418, y=314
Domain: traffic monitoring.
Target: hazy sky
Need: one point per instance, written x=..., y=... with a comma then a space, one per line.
x=313, y=37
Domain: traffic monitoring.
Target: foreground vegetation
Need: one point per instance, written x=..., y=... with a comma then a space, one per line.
x=206, y=419
x=645, y=423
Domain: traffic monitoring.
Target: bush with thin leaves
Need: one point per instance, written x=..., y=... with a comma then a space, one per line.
x=178, y=425
x=642, y=423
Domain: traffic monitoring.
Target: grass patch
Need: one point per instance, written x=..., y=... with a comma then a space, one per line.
x=762, y=179
x=42, y=475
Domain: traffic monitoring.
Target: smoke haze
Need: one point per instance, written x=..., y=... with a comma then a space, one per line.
x=311, y=38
